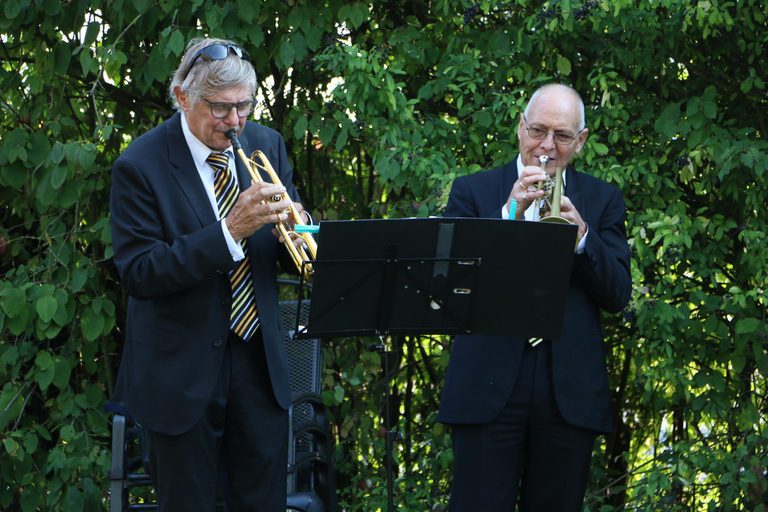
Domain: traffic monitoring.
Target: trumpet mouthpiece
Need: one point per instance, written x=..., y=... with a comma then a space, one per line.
x=232, y=134
x=543, y=159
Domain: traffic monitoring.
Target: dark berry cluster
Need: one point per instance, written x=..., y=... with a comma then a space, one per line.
x=583, y=13
x=672, y=254
x=438, y=212
x=382, y=54
x=470, y=13
x=628, y=314
x=546, y=14
x=726, y=299
x=331, y=40
x=683, y=161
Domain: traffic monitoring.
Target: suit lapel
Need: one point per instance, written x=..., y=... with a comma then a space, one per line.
x=508, y=178
x=185, y=173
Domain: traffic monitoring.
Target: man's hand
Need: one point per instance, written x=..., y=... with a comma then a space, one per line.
x=296, y=239
x=572, y=215
x=249, y=214
x=524, y=191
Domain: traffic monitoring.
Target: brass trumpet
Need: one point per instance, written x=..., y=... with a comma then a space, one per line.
x=298, y=254
x=552, y=198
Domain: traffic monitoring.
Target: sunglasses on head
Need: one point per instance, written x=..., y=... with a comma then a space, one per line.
x=216, y=51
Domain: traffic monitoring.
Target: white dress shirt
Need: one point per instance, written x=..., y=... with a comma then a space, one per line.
x=200, y=153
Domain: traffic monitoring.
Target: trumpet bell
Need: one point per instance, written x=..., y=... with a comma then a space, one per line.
x=554, y=220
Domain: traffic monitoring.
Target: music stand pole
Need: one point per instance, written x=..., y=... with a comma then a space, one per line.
x=391, y=437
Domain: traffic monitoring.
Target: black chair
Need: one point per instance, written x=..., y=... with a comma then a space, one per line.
x=310, y=462
x=311, y=479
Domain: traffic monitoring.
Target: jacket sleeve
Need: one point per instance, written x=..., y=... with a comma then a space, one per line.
x=604, y=267
x=159, y=246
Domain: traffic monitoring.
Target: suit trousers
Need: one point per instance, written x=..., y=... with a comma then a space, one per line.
x=239, y=445
x=528, y=455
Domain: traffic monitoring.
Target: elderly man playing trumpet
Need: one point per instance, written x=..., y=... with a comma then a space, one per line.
x=204, y=367
x=525, y=413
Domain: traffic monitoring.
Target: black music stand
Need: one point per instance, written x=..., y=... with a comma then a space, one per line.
x=438, y=276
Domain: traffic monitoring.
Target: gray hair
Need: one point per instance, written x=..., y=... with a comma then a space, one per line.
x=545, y=88
x=207, y=78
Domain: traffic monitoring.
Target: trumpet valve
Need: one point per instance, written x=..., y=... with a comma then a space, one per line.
x=549, y=189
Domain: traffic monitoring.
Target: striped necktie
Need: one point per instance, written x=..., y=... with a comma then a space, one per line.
x=243, y=319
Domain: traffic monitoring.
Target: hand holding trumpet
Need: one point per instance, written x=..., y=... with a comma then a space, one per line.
x=528, y=189
x=525, y=190
x=269, y=204
x=252, y=211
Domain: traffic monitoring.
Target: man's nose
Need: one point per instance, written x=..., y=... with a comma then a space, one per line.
x=548, y=141
x=232, y=118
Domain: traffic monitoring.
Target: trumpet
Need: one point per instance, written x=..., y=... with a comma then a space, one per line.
x=553, y=194
x=298, y=254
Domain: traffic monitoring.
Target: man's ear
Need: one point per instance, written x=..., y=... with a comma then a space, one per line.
x=581, y=139
x=182, y=98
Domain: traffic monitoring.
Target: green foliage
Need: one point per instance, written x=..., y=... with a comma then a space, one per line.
x=382, y=104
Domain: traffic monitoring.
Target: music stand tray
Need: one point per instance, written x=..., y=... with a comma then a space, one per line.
x=440, y=276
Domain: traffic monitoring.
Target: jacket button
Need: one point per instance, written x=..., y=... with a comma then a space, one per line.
x=217, y=342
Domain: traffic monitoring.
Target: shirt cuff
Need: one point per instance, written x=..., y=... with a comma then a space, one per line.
x=582, y=243
x=235, y=249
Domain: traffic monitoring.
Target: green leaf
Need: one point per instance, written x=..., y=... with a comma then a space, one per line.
x=58, y=176
x=62, y=372
x=338, y=394
x=11, y=446
x=67, y=433
x=79, y=278
x=52, y=7
x=85, y=61
x=12, y=8
x=484, y=118
x=14, y=143
x=15, y=174
x=358, y=14
x=43, y=360
x=30, y=499
x=747, y=325
x=92, y=324
x=287, y=54
x=45, y=377
x=46, y=307
x=14, y=301
x=30, y=442
x=91, y=33
x=176, y=43
x=563, y=65
x=62, y=56
x=300, y=128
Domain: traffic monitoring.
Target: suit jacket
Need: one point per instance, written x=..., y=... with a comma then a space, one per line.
x=483, y=369
x=173, y=260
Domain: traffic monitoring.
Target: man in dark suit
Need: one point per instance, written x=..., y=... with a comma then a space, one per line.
x=524, y=415
x=204, y=367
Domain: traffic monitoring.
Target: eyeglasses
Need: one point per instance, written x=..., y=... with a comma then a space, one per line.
x=221, y=109
x=560, y=138
x=216, y=51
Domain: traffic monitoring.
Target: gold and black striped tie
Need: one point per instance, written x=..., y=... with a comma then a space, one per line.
x=243, y=319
